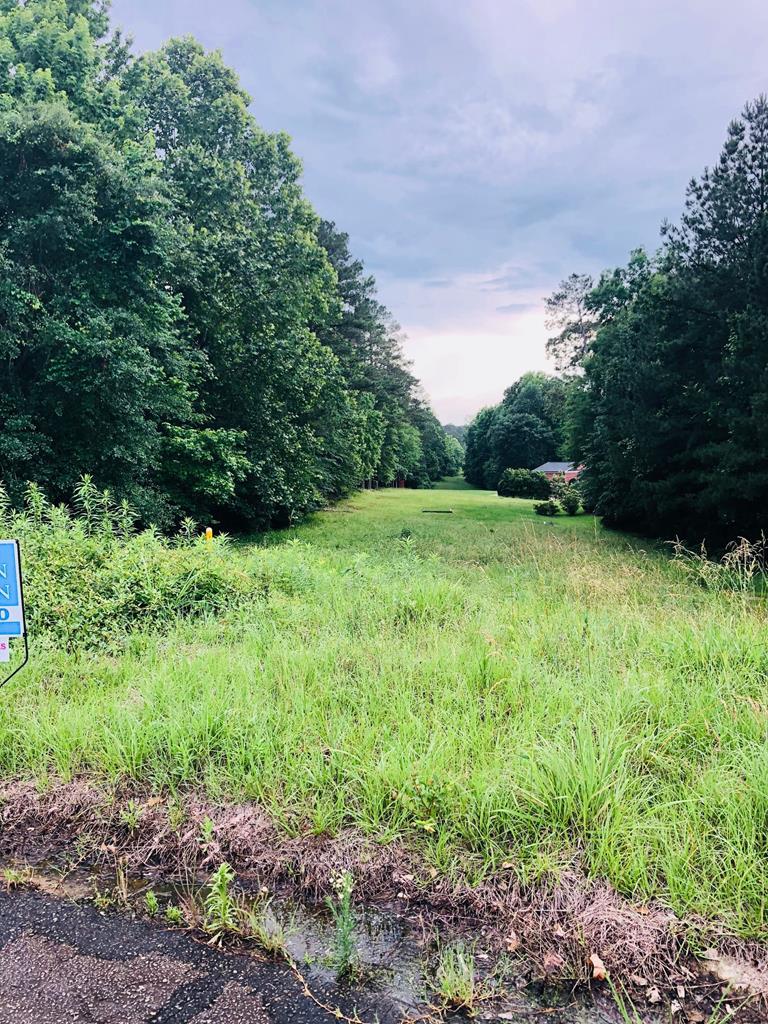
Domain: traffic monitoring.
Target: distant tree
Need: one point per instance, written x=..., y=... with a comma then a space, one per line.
x=369, y=345
x=527, y=428
x=479, y=459
x=454, y=454
x=569, y=314
x=459, y=432
x=520, y=440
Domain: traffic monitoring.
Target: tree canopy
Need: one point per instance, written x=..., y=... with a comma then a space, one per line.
x=175, y=318
x=672, y=418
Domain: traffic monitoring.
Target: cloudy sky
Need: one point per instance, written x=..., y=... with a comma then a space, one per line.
x=477, y=152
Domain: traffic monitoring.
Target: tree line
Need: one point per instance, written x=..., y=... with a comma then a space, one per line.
x=528, y=427
x=665, y=393
x=175, y=318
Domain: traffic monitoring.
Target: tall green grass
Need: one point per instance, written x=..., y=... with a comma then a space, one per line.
x=491, y=687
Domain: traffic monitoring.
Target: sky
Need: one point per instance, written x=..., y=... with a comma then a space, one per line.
x=478, y=152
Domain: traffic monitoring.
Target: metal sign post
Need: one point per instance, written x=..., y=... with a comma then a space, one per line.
x=12, y=621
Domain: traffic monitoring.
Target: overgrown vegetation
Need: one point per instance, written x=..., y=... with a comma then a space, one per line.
x=493, y=691
x=92, y=579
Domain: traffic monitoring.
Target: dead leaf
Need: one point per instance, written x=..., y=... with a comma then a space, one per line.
x=636, y=979
x=512, y=941
x=653, y=995
x=675, y=1007
x=599, y=971
x=681, y=992
x=553, y=962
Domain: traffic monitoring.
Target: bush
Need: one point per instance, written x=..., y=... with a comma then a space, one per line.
x=586, y=493
x=546, y=508
x=522, y=483
x=557, y=486
x=90, y=578
x=570, y=500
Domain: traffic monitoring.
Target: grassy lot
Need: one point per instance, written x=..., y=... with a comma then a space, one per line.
x=496, y=688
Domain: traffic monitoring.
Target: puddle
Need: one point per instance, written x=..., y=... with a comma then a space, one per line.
x=397, y=956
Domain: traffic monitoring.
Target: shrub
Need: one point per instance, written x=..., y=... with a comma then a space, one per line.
x=523, y=483
x=546, y=508
x=557, y=485
x=90, y=578
x=570, y=500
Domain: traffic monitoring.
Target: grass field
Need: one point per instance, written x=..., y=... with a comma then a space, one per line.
x=492, y=687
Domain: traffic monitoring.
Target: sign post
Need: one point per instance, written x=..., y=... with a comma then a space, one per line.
x=12, y=622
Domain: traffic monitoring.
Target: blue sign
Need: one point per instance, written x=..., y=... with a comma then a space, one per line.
x=11, y=599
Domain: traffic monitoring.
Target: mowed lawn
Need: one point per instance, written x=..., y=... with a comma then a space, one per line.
x=492, y=687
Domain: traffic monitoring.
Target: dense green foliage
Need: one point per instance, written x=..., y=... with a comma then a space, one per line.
x=174, y=317
x=570, y=500
x=581, y=700
x=92, y=579
x=672, y=417
x=454, y=459
x=523, y=483
x=527, y=428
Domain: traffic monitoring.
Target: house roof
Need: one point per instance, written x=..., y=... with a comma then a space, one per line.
x=554, y=467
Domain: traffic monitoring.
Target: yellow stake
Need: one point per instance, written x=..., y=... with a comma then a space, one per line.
x=208, y=535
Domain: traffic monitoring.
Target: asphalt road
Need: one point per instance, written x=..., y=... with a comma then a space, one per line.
x=63, y=962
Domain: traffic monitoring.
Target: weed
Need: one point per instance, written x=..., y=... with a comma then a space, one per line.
x=130, y=816
x=174, y=915
x=14, y=877
x=221, y=912
x=207, y=829
x=260, y=923
x=343, y=958
x=741, y=568
x=625, y=1006
x=176, y=814
x=151, y=903
x=455, y=981
x=104, y=899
